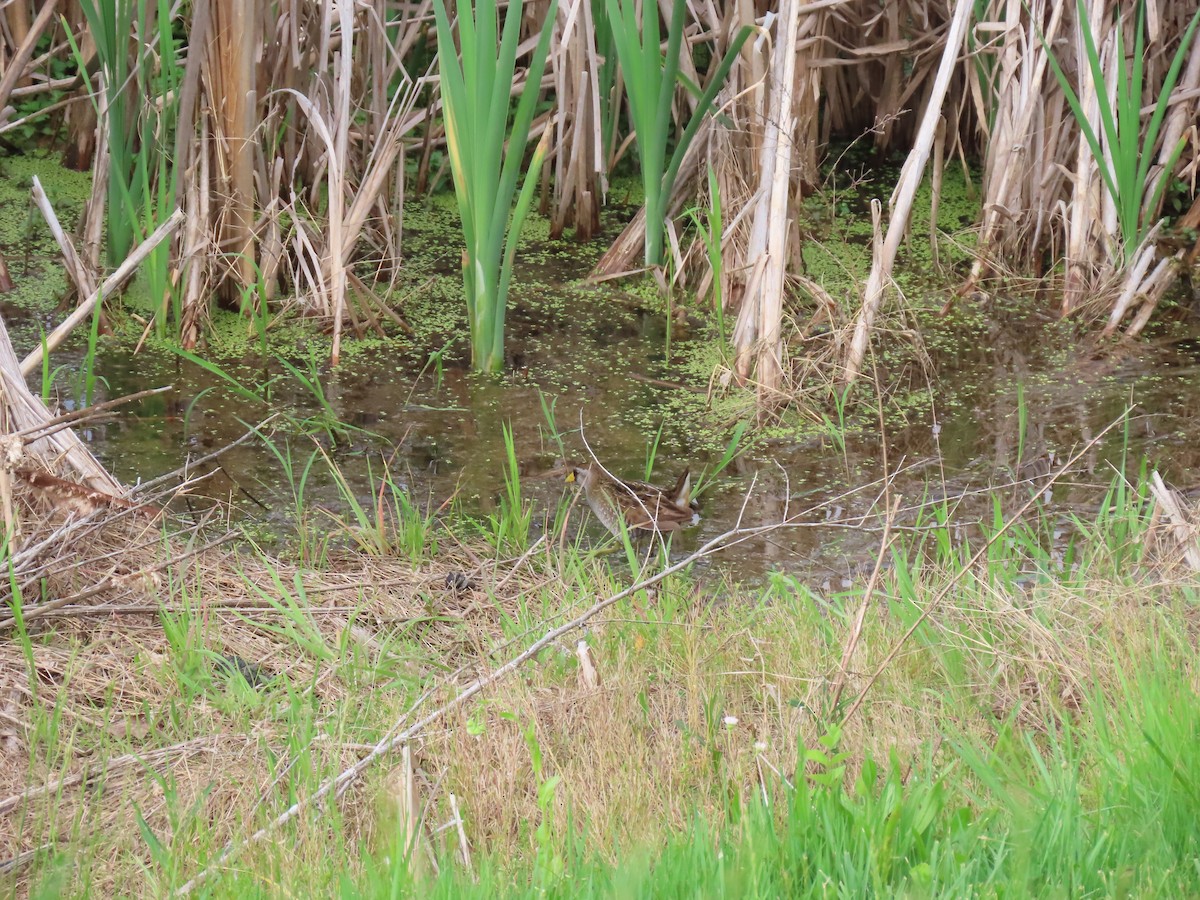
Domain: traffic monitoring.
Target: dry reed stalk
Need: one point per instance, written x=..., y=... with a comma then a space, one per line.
x=325, y=145
x=856, y=628
x=1190, y=221
x=400, y=119
x=1091, y=215
x=1172, y=525
x=1184, y=113
x=1021, y=185
x=91, y=220
x=24, y=411
x=1149, y=291
x=579, y=157
x=405, y=815
x=109, y=288
x=337, y=164
x=81, y=276
x=935, y=194
x=757, y=336
x=80, y=117
x=589, y=674
x=196, y=245
x=16, y=68
x=16, y=17
x=906, y=189
x=89, y=413
x=893, y=81
x=190, y=117
x=233, y=41
x=463, y=844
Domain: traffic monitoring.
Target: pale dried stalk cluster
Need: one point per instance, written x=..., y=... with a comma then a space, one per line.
x=1044, y=199
x=297, y=119
x=913, y=73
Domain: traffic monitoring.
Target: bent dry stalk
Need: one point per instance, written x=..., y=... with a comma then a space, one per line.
x=476, y=97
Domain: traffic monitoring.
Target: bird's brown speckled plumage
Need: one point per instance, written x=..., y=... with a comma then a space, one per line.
x=645, y=508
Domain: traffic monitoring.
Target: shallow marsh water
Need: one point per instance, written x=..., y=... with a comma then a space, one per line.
x=441, y=432
x=996, y=383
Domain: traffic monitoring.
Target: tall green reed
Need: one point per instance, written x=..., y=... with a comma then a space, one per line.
x=650, y=85
x=161, y=77
x=509, y=525
x=1125, y=168
x=139, y=108
x=710, y=227
x=486, y=154
x=111, y=24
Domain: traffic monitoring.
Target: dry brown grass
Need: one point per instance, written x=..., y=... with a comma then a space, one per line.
x=105, y=672
x=705, y=689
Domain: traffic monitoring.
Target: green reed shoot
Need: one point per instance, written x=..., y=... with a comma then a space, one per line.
x=111, y=25
x=1022, y=425
x=710, y=229
x=436, y=360
x=552, y=423
x=606, y=81
x=549, y=865
x=89, y=360
x=253, y=306
x=47, y=377
x=510, y=525
x=326, y=421
x=652, y=450
x=486, y=154
x=295, y=622
x=392, y=525
x=650, y=85
x=139, y=106
x=733, y=449
x=1126, y=170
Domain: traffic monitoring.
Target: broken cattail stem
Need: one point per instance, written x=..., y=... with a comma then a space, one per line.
x=462, y=836
x=588, y=673
x=111, y=285
x=84, y=282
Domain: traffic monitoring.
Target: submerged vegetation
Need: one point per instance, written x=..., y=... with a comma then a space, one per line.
x=379, y=659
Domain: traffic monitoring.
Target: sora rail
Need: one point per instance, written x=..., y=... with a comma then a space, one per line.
x=645, y=508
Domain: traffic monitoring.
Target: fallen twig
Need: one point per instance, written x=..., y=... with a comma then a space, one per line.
x=110, y=286
x=341, y=781
x=970, y=565
x=86, y=414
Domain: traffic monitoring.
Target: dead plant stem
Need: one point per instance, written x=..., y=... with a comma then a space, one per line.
x=972, y=562
x=341, y=781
